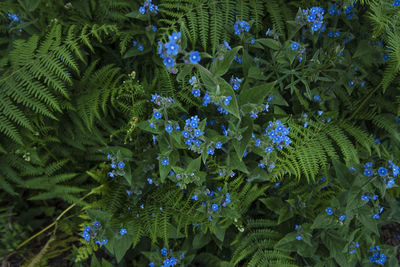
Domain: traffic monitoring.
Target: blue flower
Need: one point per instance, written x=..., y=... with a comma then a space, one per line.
x=197, y=132
x=165, y=162
x=196, y=92
x=269, y=149
x=194, y=57
x=329, y=211
x=368, y=165
x=376, y=216
x=368, y=172
x=150, y=181
x=151, y=264
x=295, y=45
x=218, y=145
x=253, y=41
x=172, y=48
x=351, y=83
x=154, y=28
x=214, y=207
x=169, y=128
x=157, y=115
x=123, y=231
x=341, y=218
x=299, y=237
x=140, y=47
x=175, y=36
x=121, y=165
x=134, y=43
x=164, y=251
x=142, y=10
x=382, y=171
x=365, y=198
x=169, y=62
x=111, y=174
x=227, y=100
x=210, y=151
x=113, y=165
x=375, y=197
x=227, y=45
x=317, y=98
x=390, y=183
x=194, y=197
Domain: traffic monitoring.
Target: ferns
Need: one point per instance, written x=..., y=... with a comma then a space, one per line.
x=257, y=244
x=313, y=146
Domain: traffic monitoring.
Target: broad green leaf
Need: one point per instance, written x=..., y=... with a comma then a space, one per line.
x=240, y=146
x=227, y=90
x=136, y=15
x=271, y=43
x=194, y=165
x=121, y=245
x=257, y=94
x=222, y=66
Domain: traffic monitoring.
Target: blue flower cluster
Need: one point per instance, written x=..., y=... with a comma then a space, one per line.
x=91, y=232
x=241, y=26
x=13, y=17
x=139, y=47
x=295, y=46
x=334, y=34
x=235, y=83
x=278, y=133
x=377, y=257
x=113, y=165
x=170, y=50
x=333, y=10
x=349, y=11
x=148, y=7
x=298, y=235
x=388, y=173
x=396, y=3
x=353, y=247
x=315, y=18
x=168, y=262
x=191, y=133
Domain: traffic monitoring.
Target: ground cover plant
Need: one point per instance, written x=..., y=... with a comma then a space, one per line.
x=199, y=133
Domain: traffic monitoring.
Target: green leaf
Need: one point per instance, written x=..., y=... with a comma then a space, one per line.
x=200, y=240
x=366, y=219
x=323, y=221
x=31, y=5
x=133, y=51
x=271, y=43
x=234, y=163
x=184, y=72
x=256, y=73
x=120, y=246
x=240, y=146
x=257, y=94
x=222, y=66
x=136, y=15
x=194, y=165
x=227, y=90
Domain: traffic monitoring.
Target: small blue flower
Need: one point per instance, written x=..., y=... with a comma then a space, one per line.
x=351, y=83
x=157, y=115
x=253, y=41
x=113, y=165
x=121, y=165
x=317, y=98
x=227, y=100
x=390, y=183
x=194, y=197
x=169, y=128
x=142, y=10
x=194, y=57
x=227, y=45
x=218, y=145
x=164, y=251
x=382, y=171
x=329, y=211
x=375, y=197
x=165, y=162
x=299, y=237
x=196, y=92
x=154, y=28
x=295, y=45
x=172, y=48
x=140, y=47
x=192, y=80
x=269, y=149
x=214, y=207
x=210, y=151
x=368, y=172
x=111, y=174
x=365, y=198
x=175, y=36
x=169, y=62
x=376, y=216
x=151, y=264
x=150, y=181
x=341, y=218
x=123, y=231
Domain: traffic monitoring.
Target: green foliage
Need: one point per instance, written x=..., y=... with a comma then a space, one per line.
x=81, y=145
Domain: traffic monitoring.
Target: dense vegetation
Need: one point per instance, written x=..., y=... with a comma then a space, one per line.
x=199, y=133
